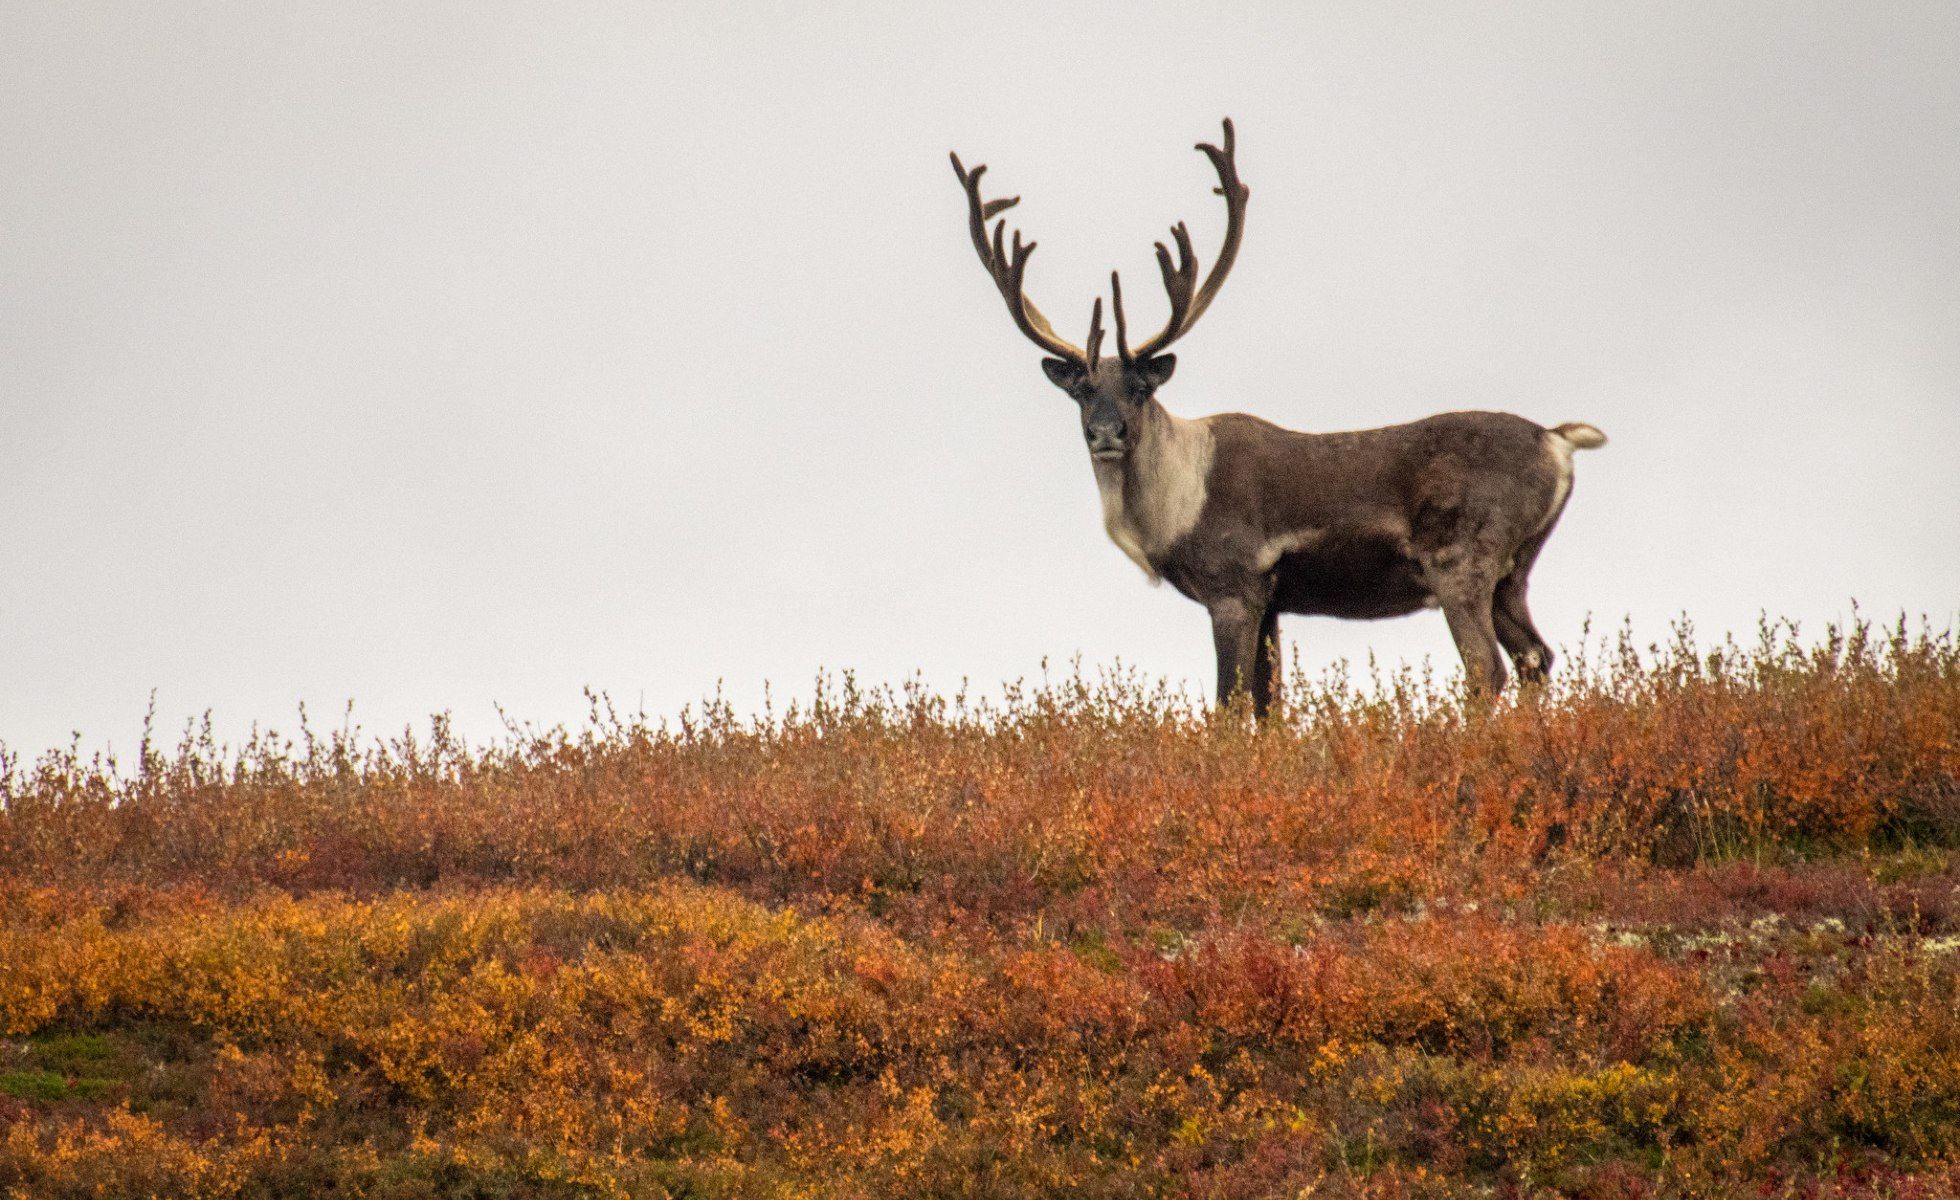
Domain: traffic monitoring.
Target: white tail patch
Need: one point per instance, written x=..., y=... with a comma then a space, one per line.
x=1581, y=435
x=1562, y=440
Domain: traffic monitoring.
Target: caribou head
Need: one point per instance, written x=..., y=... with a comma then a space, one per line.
x=1113, y=392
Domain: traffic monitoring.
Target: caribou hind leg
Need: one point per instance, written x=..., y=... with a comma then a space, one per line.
x=1467, y=602
x=1528, y=651
x=1529, y=654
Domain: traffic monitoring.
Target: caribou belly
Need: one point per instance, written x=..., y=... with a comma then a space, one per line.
x=1360, y=578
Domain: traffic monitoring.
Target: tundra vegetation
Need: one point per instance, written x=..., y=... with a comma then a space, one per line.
x=1683, y=922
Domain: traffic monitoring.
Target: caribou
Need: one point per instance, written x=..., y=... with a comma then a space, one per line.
x=1251, y=520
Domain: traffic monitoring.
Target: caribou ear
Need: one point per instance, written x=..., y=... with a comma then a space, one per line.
x=1063, y=373
x=1158, y=369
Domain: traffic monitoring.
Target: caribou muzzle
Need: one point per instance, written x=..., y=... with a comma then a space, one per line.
x=1106, y=442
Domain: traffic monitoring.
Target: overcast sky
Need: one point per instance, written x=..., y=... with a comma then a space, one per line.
x=444, y=355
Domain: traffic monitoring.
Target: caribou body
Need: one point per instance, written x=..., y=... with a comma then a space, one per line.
x=1252, y=520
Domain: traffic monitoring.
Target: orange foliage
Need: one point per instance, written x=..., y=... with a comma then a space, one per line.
x=1686, y=924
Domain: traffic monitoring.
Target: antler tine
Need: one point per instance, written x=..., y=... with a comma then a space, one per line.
x=1225, y=162
x=1122, y=331
x=1096, y=332
x=1179, y=280
x=1188, y=300
x=1008, y=268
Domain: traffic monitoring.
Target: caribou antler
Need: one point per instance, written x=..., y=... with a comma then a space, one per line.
x=1180, y=279
x=1008, y=266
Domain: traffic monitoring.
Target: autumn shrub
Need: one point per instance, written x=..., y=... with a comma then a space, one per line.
x=1685, y=923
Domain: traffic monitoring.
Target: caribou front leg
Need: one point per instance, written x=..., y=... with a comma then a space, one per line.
x=1266, y=664
x=1237, y=626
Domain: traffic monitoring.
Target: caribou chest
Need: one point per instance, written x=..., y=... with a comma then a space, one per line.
x=1154, y=496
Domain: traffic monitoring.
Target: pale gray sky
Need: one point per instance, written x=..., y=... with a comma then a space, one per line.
x=442, y=355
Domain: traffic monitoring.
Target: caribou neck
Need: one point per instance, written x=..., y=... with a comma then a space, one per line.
x=1153, y=495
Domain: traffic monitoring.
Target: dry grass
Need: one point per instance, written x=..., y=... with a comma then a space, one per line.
x=1687, y=923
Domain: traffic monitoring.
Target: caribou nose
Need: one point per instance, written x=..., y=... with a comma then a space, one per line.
x=1106, y=438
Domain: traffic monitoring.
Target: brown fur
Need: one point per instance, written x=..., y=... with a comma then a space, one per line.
x=1446, y=512
x=1251, y=520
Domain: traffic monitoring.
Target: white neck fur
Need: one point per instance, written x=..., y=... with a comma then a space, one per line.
x=1153, y=496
